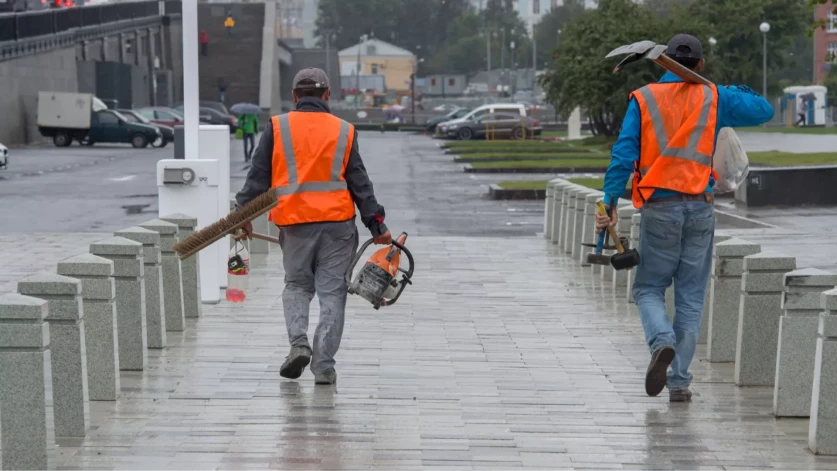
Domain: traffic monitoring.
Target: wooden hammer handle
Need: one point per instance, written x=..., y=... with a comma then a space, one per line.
x=679, y=70
x=602, y=210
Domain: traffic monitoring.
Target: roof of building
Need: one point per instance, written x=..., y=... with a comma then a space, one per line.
x=378, y=48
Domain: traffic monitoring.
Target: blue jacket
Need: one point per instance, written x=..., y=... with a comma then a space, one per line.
x=737, y=106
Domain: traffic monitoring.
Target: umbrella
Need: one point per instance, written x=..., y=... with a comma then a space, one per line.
x=245, y=108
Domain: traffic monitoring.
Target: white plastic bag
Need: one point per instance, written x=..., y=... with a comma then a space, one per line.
x=730, y=162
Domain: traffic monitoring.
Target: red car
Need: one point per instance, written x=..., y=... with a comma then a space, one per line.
x=162, y=115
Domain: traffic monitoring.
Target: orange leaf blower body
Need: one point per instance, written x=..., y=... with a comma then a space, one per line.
x=377, y=282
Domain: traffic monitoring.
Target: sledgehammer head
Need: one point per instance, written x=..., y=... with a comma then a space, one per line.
x=598, y=259
x=625, y=260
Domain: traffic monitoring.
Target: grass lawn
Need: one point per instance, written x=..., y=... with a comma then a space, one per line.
x=786, y=159
x=517, y=156
x=786, y=130
x=523, y=185
x=489, y=146
x=593, y=163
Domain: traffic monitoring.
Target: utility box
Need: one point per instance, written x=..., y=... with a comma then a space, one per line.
x=191, y=187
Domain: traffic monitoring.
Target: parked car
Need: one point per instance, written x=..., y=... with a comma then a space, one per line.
x=161, y=115
x=455, y=114
x=500, y=125
x=532, y=106
x=215, y=105
x=211, y=116
x=445, y=108
x=4, y=156
x=68, y=117
x=166, y=132
x=513, y=108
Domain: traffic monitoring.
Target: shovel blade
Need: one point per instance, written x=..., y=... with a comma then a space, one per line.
x=640, y=47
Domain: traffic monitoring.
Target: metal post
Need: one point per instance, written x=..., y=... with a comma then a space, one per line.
x=503, y=58
x=413, y=95
x=488, y=51
x=764, y=66
x=328, y=56
x=534, y=59
x=190, y=79
x=357, y=74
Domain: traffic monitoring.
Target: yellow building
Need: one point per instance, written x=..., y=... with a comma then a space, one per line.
x=377, y=58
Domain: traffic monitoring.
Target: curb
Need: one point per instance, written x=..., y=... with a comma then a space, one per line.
x=468, y=168
x=514, y=158
x=562, y=150
x=497, y=192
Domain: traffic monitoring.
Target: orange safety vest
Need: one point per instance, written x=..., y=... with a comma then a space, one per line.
x=310, y=154
x=677, y=138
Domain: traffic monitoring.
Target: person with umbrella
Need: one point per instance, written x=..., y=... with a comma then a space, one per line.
x=248, y=121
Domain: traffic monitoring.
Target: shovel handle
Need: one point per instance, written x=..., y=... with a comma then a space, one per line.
x=267, y=238
x=684, y=73
x=602, y=210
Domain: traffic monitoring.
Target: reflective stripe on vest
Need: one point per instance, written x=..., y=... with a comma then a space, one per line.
x=293, y=186
x=690, y=152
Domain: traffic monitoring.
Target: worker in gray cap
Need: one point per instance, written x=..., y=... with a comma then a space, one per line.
x=311, y=160
x=666, y=146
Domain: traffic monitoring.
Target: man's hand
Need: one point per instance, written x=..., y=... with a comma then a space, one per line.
x=244, y=232
x=604, y=221
x=383, y=239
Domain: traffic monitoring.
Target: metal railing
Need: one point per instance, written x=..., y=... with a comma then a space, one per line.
x=26, y=25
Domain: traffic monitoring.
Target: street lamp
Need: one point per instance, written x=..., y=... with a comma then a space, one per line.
x=413, y=89
x=514, y=70
x=764, y=28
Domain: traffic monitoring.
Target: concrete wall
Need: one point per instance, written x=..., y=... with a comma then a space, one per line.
x=22, y=79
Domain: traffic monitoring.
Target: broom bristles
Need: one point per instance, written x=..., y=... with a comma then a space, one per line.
x=227, y=225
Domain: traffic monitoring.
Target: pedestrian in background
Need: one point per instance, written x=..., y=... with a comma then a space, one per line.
x=203, y=39
x=222, y=89
x=249, y=124
x=229, y=23
x=667, y=142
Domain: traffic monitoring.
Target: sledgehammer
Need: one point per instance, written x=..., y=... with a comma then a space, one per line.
x=624, y=259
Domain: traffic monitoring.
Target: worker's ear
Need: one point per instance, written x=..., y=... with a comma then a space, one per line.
x=296, y=98
x=327, y=94
x=701, y=65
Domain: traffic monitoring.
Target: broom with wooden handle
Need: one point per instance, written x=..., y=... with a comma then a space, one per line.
x=210, y=234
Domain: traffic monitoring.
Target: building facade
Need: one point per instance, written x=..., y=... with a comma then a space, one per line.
x=825, y=42
x=376, y=57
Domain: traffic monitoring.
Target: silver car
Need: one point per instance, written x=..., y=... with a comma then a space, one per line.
x=4, y=156
x=499, y=125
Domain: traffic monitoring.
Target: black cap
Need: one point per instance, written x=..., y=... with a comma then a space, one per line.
x=310, y=78
x=684, y=46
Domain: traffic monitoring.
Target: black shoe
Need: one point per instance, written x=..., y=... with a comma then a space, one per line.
x=655, y=377
x=295, y=363
x=680, y=395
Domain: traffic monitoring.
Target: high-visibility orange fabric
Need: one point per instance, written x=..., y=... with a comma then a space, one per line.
x=310, y=154
x=677, y=138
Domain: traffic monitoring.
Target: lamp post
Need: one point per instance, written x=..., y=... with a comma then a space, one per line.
x=514, y=70
x=413, y=90
x=357, y=70
x=764, y=28
x=534, y=59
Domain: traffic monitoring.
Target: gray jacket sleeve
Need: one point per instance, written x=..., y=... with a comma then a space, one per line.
x=371, y=213
x=261, y=169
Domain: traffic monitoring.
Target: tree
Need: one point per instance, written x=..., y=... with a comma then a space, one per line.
x=579, y=77
x=547, y=31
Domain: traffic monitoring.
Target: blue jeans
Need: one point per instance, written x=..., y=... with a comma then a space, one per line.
x=675, y=244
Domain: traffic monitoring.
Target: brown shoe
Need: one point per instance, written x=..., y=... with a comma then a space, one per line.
x=295, y=363
x=680, y=395
x=655, y=377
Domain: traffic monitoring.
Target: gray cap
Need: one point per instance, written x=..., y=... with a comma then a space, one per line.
x=684, y=46
x=317, y=77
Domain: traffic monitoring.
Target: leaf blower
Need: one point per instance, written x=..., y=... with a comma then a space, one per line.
x=377, y=282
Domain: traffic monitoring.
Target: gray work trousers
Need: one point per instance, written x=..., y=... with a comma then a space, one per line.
x=316, y=257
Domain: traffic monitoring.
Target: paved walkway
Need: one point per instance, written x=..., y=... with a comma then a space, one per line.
x=502, y=355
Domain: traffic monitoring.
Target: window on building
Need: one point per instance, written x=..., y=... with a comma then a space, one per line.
x=831, y=23
x=374, y=68
x=451, y=82
x=831, y=53
x=536, y=7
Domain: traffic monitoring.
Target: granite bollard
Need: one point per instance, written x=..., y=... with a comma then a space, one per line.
x=762, y=287
x=578, y=223
x=129, y=278
x=558, y=209
x=24, y=367
x=636, y=220
x=548, y=206
x=822, y=428
x=588, y=229
x=189, y=268
x=562, y=216
x=623, y=228
x=67, y=349
x=98, y=294
x=172, y=278
x=707, y=301
x=155, y=314
x=569, y=218
x=802, y=305
x=725, y=298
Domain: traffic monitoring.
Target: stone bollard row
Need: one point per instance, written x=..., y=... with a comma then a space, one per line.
x=67, y=349
x=636, y=219
x=822, y=428
x=588, y=229
x=24, y=367
x=801, y=305
x=562, y=216
x=98, y=294
x=578, y=222
x=548, y=208
x=172, y=279
x=189, y=268
x=762, y=286
x=707, y=299
x=725, y=297
x=155, y=314
x=569, y=219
